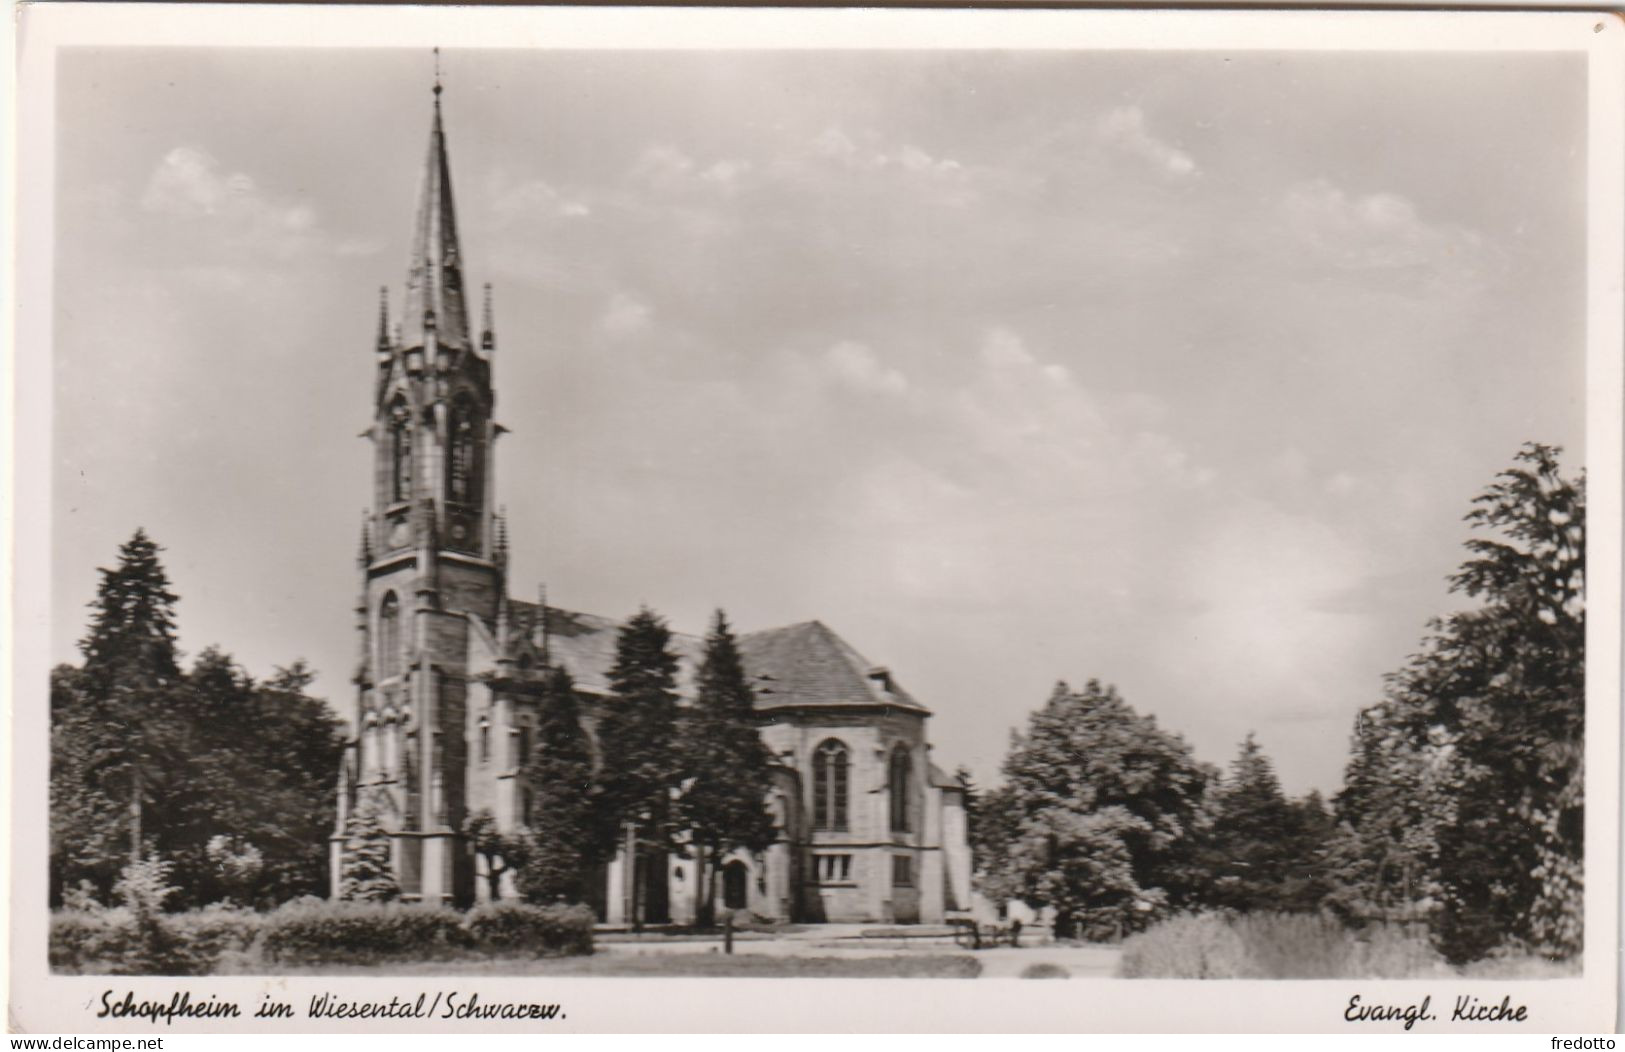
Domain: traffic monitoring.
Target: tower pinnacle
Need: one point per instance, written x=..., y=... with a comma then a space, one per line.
x=488, y=335
x=383, y=318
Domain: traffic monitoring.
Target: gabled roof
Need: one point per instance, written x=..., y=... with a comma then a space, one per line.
x=807, y=664
x=798, y=666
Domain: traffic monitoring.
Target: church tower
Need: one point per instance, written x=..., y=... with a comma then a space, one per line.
x=432, y=552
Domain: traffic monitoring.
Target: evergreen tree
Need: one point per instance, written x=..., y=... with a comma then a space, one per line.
x=365, y=873
x=130, y=662
x=563, y=841
x=724, y=765
x=1261, y=851
x=638, y=776
x=1397, y=793
x=131, y=641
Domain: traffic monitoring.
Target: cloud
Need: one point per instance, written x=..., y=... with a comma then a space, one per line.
x=856, y=365
x=512, y=201
x=1125, y=128
x=663, y=166
x=189, y=185
x=625, y=315
x=1377, y=231
x=835, y=145
x=832, y=155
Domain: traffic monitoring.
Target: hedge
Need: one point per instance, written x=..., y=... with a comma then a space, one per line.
x=361, y=933
x=510, y=928
x=310, y=932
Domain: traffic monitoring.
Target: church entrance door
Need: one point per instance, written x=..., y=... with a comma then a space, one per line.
x=735, y=884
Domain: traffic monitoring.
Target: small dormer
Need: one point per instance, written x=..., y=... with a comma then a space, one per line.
x=880, y=676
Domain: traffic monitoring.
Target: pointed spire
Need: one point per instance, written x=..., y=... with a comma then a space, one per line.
x=434, y=279
x=383, y=318
x=488, y=334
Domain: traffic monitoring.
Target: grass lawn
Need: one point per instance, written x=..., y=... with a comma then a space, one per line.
x=669, y=965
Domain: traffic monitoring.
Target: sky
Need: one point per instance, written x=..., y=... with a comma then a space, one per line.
x=1176, y=370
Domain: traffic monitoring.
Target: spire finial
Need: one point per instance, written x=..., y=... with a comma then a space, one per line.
x=437, y=88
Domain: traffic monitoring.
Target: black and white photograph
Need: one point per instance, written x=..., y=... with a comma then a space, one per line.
x=539, y=504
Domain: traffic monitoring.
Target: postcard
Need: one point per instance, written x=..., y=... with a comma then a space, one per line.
x=529, y=518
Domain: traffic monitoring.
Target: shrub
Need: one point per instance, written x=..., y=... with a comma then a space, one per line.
x=215, y=931
x=154, y=946
x=361, y=932
x=143, y=885
x=90, y=941
x=540, y=931
x=1275, y=946
x=1295, y=945
x=1393, y=951
x=1186, y=946
x=364, y=868
x=1045, y=970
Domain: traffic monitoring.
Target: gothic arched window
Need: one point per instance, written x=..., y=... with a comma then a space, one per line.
x=400, y=452
x=830, y=765
x=389, y=637
x=897, y=780
x=463, y=479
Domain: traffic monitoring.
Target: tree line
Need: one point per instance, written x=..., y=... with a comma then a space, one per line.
x=1462, y=804
x=1461, y=808
x=229, y=780
x=232, y=783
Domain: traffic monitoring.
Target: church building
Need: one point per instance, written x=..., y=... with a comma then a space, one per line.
x=449, y=666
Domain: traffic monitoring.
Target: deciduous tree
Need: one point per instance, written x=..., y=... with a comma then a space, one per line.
x=1473, y=762
x=1096, y=803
